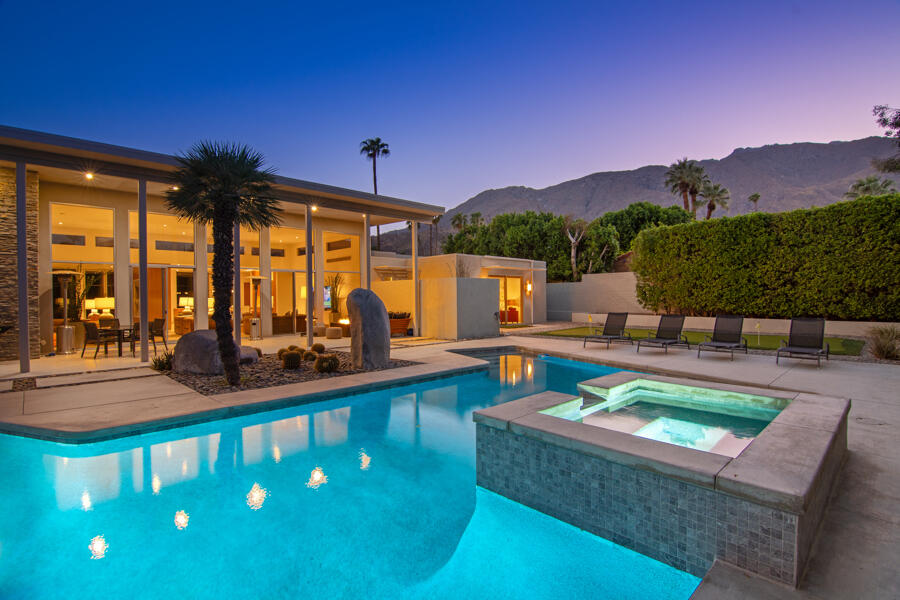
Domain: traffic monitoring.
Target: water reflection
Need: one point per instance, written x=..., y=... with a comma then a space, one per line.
x=86, y=501
x=364, y=460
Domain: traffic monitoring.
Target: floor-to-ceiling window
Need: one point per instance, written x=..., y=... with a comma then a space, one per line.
x=342, y=274
x=289, y=290
x=510, y=298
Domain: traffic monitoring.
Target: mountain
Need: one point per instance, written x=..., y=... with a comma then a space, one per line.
x=786, y=176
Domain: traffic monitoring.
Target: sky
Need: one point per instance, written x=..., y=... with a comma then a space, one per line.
x=469, y=96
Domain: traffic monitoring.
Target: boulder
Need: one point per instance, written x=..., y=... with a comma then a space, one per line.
x=370, y=330
x=198, y=352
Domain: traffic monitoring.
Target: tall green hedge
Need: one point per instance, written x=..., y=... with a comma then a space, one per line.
x=838, y=262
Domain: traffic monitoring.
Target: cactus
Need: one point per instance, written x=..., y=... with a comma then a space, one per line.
x=310, y=356
x=326, y=363
x=294, y=348
x=317, y=348
x=281, y=352
x=290, y=360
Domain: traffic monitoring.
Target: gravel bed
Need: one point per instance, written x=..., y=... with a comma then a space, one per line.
x=267, y=372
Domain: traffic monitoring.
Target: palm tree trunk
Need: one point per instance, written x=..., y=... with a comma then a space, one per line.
x=223, y=286
x=684, y=196
x=375, y=187
x=694, y=205
x=710, y=207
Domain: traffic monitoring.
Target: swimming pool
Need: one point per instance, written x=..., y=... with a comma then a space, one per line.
x=368, y=496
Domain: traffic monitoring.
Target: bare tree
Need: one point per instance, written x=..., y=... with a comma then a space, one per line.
x=574, y=229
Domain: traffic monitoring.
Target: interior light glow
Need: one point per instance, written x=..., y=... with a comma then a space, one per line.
x=88, y=175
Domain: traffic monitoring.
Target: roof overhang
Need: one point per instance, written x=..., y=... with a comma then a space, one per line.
x=62, y=152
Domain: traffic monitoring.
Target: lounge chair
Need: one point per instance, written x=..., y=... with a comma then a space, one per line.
x=726, y=336
x=806, y=340
x=613, y=331
x=667, y=334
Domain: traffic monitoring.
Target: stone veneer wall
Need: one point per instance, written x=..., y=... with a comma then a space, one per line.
x=680, y=524
x=9, y=300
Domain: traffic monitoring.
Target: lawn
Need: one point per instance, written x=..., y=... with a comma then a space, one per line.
x=846, y=346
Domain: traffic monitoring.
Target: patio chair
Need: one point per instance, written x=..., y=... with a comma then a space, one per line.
x=726, y=336
x=668, y=333
x=613, y=331
x=157, y=328
x=806, y=340
x=95, y=335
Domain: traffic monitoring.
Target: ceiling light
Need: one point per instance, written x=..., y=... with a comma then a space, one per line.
x=174, y=188
x=88, y=175
x=314, y=208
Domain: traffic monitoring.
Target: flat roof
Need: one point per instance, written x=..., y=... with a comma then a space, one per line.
x=51, y=150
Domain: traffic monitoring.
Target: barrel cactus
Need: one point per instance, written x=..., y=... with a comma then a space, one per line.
x=326, y=363
x=290, y=360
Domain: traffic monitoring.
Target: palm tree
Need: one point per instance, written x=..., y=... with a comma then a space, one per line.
x=697, y=179
x=870, y=186
x=753, y=199
x=372, y=148
x=715, y=195
x=459, y=221
x=678, y=179
x=226, y=184
x=434, y=225
x=475, y=219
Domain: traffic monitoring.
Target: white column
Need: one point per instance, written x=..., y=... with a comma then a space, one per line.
x=417, y=305
x=122, y=265
x=22, y=265
x=366, y=258
x=265, y=286
x=201, y=279
x=310, y=299
x=236, y=309
x=142, y=268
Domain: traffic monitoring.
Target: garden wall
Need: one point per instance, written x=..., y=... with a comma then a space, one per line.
x=595, y=293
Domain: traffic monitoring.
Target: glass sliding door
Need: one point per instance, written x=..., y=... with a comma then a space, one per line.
x=510, y=298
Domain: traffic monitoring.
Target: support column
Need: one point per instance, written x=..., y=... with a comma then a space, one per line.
x=22, y=266
x=319, y=278
x=265, y=286
x=417, y=305
x=45, y=279
x=366, y=257
x=201, y=279
x=142, y=268
x=236, y=309
x=310, y=298
x=122, y=265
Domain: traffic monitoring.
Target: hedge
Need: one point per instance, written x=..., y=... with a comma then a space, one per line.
x=838, y=262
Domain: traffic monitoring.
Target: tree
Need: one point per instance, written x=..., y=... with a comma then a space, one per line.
x=638, y=216
x=678, y=179
x=372, y=148
x=715, y=195
x=753, y=199
x=476, y=220
x=870, y=186
x=599, y=247
x=431, y=231
x=225, y=184
x=889, y=118
x=698, y=179
x=574, y=229
x=459, y=221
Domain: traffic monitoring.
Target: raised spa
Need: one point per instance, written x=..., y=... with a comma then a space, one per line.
x=719, y=421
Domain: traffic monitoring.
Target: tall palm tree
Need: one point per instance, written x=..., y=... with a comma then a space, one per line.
x=753, y=199
x=225, y=184
x=459, y=221
x=715, y=195
x=678, y=179
x=372, y=148
x=697, y=179
x=870, y=186
x=434, y=225
x=476, y=220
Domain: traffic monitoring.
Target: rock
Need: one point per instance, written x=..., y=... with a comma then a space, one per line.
x=370, y=330
x=198, y=352
x=249, y=355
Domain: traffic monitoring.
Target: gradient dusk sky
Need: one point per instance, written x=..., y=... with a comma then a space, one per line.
x=469, y=96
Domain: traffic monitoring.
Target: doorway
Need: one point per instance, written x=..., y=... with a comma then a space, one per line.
x=510, y=298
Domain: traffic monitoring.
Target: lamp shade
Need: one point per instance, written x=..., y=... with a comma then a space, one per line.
x=105, y=303
x=186, y=302
x=90, y=304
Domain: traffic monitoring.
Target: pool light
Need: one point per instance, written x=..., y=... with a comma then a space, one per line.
x=181, y=520
x=317, y=478
x=256, y=496
x=98, y=547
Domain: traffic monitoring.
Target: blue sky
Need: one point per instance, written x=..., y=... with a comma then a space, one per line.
x=469, y=96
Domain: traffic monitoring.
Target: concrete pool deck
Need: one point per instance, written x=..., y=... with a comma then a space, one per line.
x=857, y=553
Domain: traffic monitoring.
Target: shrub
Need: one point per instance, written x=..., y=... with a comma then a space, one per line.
x=290, y=360
x=318, y=348
x=310, y=356
x=281, y=352
x=839, y=262
x=884, y=342
x=163, y=362
x=326, y=363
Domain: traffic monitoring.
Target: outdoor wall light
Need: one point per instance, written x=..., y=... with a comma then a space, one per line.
x=314, y=208
x=527, y=288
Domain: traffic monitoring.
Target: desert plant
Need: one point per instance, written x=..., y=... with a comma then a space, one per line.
x=326, y=363
x=309, y=355
x=715, y=196
x=225, y=184
x=281, y=352
x=870, y=186
x=163, y=362
x=318, y=348
x=335, y=281
x=884, y=342
x=294, y=348
x=290, y=360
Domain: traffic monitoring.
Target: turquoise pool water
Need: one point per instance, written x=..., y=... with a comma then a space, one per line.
x=371, y=496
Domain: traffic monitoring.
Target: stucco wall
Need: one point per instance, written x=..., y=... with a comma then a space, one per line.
x=595, y=293
x=459, y=308
x=396, y=295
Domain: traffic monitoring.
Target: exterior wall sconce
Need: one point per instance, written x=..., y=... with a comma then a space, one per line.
x=527, y=288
